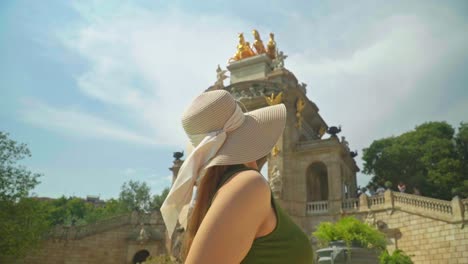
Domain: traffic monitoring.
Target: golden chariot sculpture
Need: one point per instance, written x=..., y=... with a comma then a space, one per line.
x=244, y=50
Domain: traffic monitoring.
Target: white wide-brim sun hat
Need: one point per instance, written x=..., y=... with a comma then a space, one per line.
x=252, y=138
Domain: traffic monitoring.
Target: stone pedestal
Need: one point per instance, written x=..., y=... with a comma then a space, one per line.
x=175, y=169
x=252, y=68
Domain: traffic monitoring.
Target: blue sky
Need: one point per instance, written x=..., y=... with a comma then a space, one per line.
x=96, y=88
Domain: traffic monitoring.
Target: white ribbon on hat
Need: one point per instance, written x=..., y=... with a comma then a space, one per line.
x=176, y=205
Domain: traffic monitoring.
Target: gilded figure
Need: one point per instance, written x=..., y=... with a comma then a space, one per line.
x=300, y=105
x=322, y=131
x=247, y=52
x=275, y=151
x=271, y=46
x=243, y=49
x=258, y=43
x=274, y=100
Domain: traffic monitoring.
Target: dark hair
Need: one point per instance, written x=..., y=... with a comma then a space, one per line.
x=206, y=189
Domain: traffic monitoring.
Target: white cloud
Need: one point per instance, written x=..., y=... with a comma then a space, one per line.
x=79, y=123
x=150, y=65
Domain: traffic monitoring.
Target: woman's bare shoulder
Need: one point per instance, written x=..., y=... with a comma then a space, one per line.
x=231, y=224
x=249, y=182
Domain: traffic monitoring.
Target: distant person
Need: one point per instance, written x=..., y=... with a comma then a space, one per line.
x=380, y=190
x=416, y=191
x=235, y=218
x=401, y=187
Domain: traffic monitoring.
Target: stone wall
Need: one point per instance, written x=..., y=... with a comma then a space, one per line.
x=429, y=230
x=112, y=241
x=426, y=240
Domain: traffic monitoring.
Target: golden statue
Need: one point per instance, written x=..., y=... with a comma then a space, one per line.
x=322, y=131
x=243, y=49
x=271, y=46
x=258, y=43
x=300, y=105
x=248, y=52
x=274, y=100
x=275, y=151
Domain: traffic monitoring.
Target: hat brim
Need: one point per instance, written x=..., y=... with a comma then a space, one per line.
x=254, y=139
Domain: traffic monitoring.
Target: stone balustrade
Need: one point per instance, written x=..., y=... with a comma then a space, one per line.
x=426, y=203
x=465, y=206
x=351, y=204
x=318, y=207
x=455, y=211
x=77, y=232
x=376, y=200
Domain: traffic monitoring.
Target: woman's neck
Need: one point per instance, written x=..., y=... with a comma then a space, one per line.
x=252, y=164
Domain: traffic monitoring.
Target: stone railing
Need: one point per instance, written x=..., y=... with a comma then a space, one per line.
x=425, y=203
x=319, y=207
x=351, y=204
x=454, y=211
x=77, y=232
x=376, y=201
x=465, y=206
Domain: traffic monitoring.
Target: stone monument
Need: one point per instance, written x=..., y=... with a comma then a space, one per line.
x=306, y=170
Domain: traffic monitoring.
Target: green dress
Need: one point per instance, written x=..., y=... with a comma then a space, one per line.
x=286, y=244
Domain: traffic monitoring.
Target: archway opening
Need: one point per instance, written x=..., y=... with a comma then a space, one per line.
x=140, y=256
x=317, y=182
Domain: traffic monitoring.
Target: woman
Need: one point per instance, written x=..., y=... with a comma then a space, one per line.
x=235, y=218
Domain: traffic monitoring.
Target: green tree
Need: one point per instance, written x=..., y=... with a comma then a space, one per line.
x=16, y=181
x=76, y=211
x=135, y=195
x=158, y=199
x=22, y=226
x=429, y=158
x=111, y=208
x=58, y=212
x=461, y=140
x=23, y=220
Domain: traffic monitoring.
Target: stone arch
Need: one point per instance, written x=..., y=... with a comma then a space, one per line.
x=317, y=182
x=140, y=256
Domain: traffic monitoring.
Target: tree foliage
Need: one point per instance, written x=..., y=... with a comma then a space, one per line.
x=22, y=225
x=397, y=257
x=431, y=158
x=76, y=211
x=23, y=221
x=15, y=180
x=136, y=196
x=158, y=199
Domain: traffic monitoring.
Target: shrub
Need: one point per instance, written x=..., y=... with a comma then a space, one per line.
x=398, y=257
x=350, y=230
x=388, y=184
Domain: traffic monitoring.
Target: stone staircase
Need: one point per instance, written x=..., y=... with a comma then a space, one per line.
x=79, y=232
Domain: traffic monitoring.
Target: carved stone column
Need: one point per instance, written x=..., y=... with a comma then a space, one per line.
x=335, y=192
x=176, y=167
x=363, y=203
x=457, y=210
